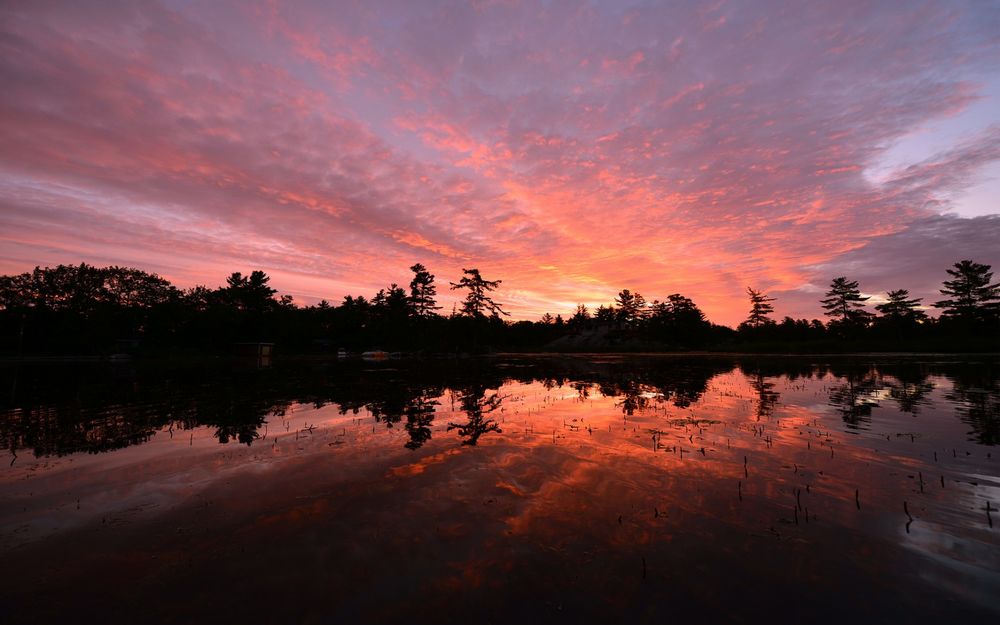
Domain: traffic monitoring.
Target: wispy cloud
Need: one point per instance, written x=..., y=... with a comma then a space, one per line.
x=571, y=150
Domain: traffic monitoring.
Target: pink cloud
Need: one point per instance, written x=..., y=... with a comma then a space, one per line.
x=569, y=150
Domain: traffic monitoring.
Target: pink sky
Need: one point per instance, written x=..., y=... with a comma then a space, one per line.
x=570, y=149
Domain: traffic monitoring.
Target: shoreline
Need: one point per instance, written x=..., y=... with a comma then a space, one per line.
x=294, y=358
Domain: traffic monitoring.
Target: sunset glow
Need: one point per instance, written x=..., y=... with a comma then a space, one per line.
x=567, y=149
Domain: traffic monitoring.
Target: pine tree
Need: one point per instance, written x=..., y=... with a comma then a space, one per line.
x=477, y=301
x=899, y=308
x=422, y=292
x=631, y=306
x=760, y=308
x=391, y=304
x=844, y=300
x=604, y=314
x=251, y=293
x=971, y=296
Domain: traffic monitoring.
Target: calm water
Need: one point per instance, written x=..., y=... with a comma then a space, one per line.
x=513, y=490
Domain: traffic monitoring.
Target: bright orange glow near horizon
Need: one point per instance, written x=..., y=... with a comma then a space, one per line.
x=569, y=150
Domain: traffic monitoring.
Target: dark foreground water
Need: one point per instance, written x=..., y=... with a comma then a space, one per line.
x=530, y=490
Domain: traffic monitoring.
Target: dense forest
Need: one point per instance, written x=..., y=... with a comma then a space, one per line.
x=87, y=310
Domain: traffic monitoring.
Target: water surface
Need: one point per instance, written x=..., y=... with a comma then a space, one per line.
x=606, y=489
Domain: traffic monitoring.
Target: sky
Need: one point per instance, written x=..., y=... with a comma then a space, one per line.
x=569, y=149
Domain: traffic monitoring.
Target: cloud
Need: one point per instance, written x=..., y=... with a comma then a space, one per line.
x=915, y=259
x=570, y=150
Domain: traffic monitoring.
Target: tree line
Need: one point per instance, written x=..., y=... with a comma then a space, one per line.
x=87, y=309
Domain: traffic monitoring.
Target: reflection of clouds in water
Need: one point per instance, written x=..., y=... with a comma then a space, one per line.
x=752, y=465
x=59, y=419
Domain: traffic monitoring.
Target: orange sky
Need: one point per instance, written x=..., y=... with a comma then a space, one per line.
x=569, y=150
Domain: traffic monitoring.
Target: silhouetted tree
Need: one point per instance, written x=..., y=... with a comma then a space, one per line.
x=423, y=292
x=86, y=309
x=391, y=305
x=249, y=293
x=83, y=308
x=900, y=308
x=128, y=288
x=604, y=314
x=477, y=300
x=82, y=288
x=760, y=308
x=631, y=307
x=971, y=297
x=844, y=300
x=580, y=317
x=678, y=320
x=354, y=316
x=679, y=311
x=199, y=298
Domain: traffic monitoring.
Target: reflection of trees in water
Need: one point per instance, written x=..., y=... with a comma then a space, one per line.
x=632, y=397
x=49, y=428
x=59, y=411
x=419, y=417
x=95, y=409
x=862, y=387
x=390, y=406
x=244, y=433
x=241, y=416
x=681, y=384
x=68, y=409
x=477, y=405
x=582, y=390
x=685, y=386
x=550, y=383
x=910, y=396
x=858, y=390
x=856, y=396
x=767, y=397
x=389, y=400
x=757, y=373
x=908, y=386
x=975, y=392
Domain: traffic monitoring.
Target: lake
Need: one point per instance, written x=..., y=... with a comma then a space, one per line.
x=509, y=489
